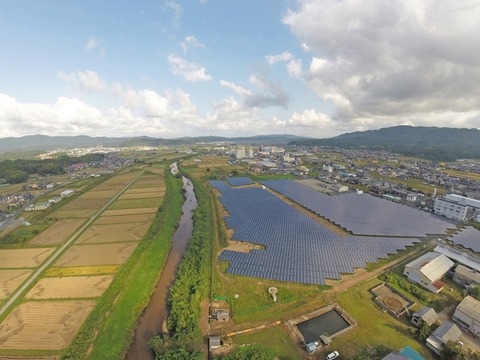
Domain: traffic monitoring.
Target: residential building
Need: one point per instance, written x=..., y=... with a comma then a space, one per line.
x=467, y=315
x=446, y=332
x=450, y=209
x=466, y=277
x=240, y=152
x=424, y=315
x=428, y=270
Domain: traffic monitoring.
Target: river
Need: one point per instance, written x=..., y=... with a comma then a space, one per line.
x=153, y=320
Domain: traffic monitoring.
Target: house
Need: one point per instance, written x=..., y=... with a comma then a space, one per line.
x=467, y=315
x=67, y=193
x=428, y=270
x=424, y=315
x=221, y=315
x=214, y=342
x=407, y=353
x=446, y=332
x=466, y=277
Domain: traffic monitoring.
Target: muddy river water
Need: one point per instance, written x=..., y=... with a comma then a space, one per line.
x=152, y=321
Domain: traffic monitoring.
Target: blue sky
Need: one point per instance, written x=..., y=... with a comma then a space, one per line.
x=172, y=68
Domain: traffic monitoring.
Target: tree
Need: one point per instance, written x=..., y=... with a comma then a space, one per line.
x=424, y=331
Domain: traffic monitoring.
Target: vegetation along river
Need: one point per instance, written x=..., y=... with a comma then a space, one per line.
x=152, y=321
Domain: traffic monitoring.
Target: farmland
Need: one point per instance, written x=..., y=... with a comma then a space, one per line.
x=114, y=216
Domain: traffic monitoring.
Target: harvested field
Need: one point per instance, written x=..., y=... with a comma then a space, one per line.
x=23, y=258
x=145, y=190
x=122, y=219
x=135, y=203
x=70, y=287
x=86, y=203
x=113, y=233
x=74, y=214
x=142, y=195
x=118, y=212
x=82, y=271
x=100, y=194
x=43, y=325
x=58, y=233
x=10, y=280
x=156, y=183
x=98, y=254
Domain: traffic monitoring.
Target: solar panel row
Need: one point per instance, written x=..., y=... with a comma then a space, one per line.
x=468, y=238
x=240, y=181
x=363, y=214
x=298, y=248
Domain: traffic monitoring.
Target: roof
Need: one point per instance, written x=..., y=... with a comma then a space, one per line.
x=468, y=273
x=446, y=332
x=214, y=341
x=432, y=265
x=470, y=306
x=428, y=314
x=411, y=354
x=395, y=356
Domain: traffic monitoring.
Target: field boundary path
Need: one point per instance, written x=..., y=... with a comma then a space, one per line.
x=59, y=251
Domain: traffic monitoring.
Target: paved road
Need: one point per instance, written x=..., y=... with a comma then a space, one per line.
x=56, y=254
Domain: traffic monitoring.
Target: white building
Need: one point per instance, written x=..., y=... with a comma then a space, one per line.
x=67, y=193
x=466, y=277
x=424, y=315
x=428, y=270
x=467, y=315
x=240, y=152
x=446, y=332
x=450, y=209
x=463, y=200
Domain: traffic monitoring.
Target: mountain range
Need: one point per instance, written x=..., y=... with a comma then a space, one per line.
x=442, y=144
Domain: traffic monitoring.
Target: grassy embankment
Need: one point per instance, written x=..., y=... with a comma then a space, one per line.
x=114, y=318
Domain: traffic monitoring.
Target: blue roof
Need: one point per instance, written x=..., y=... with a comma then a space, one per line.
x=408, y=352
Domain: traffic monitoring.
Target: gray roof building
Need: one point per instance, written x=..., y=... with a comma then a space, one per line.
x=467, y=315
x=446, y=332
x=424, y=315
x=428, y=270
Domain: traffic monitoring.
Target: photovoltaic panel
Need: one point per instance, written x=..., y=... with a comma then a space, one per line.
x=363, y=214
x=298, y=248
x=468, y=238
x=240, y=181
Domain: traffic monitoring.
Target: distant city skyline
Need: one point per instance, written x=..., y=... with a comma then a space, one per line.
x=235, y=68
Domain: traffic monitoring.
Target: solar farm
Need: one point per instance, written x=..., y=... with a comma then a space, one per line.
x=299, y=248
x=469, y=238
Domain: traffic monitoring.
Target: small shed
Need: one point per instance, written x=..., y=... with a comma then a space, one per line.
x=311, y=347
x=424, y=315
x=325, y=340
x=214, y=342
x=221, y=315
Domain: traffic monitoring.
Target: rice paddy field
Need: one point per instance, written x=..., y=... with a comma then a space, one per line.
x=108, y=222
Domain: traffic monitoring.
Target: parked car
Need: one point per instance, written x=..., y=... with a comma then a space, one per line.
x=332, y=355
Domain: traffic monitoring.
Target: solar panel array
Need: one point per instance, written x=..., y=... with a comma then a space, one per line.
x=469, y=238
x=240, y=181
x=298, y=248
x=363, y=214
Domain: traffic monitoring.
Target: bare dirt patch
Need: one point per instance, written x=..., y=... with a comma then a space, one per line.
x=98, y=254
x=45, y=325
x=118, y=212
x=123, y=219
x=10, y=280
x=113, y=233
x=70, y=287
x=23, y=258
x=58, y=233
x=241, y=246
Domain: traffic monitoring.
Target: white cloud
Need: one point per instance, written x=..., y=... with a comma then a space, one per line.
x=270, y=93
x=189, y=71
x=237, y=89
x=294, y=68
x=175, y=8
x=383, y=62
x=190, y=42
x=85, y=80
x=283, y=57
x=310, y=118
x=93, y=44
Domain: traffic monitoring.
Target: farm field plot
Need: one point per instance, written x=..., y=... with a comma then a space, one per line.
x=98, y=254
x=137, y=211
x=135, y=203
x=99, y=194
x=86, y=203
x=57, y=233
x=23, y=258
x=74, y=213
x=151, y=193
x=70, y=287
x=113, y=233
x=149, y=183
x=43, y=325
x=10, y=280
x=122, y=219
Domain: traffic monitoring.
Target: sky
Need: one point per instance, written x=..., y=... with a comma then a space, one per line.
x=171, y=68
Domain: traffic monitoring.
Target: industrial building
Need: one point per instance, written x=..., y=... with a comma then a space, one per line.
x=467, y=315
x=450, y=209
x=428, y=270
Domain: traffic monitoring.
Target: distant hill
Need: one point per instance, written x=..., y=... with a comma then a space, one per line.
x=441, y=144
x=46, y=143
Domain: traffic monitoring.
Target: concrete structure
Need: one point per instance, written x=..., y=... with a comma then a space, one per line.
x=221, y=315
x=467, y=315
x=463, y=200
x=214, y=342
x=340, y=188
x=450, y=209
x=446, y=332
x=466, y=277
x=424, y=315
x=428, y=270
x=67, y=193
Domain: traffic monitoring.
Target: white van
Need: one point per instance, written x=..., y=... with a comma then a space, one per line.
x=332, y=355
